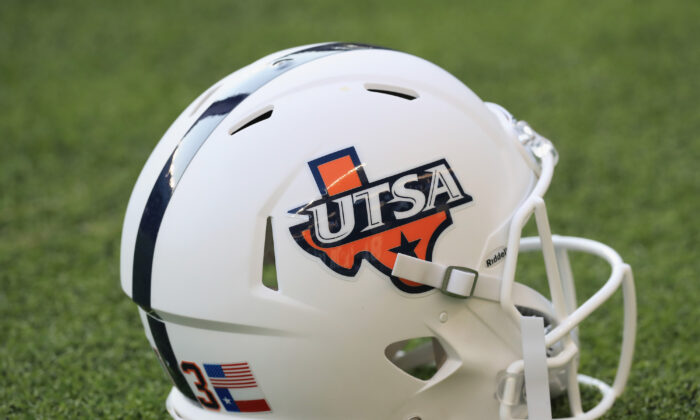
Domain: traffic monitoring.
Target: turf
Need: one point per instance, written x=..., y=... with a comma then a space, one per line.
x=87, y=88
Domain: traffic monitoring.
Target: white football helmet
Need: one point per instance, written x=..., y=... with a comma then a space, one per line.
x=393, y=201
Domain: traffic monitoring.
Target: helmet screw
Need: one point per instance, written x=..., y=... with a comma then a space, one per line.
x=443, y=319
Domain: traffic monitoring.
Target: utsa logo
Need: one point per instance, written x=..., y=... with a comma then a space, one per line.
x=356, y=219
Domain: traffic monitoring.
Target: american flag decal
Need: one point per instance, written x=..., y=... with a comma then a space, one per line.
x=236, y=387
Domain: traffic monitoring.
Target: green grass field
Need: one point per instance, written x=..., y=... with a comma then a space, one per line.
x=87, y=88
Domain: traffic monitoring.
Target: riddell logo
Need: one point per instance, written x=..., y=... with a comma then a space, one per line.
x=356, y=219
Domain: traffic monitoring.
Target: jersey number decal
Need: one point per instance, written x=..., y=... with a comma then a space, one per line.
x=210, y=401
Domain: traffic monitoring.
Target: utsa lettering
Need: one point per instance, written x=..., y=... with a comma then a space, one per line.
x=356, y=219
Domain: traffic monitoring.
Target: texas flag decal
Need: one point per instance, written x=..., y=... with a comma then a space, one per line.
x=236, y=387
x=355, y=219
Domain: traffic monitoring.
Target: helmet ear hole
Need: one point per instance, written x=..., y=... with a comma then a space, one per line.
x=269, y=270
x=419, y=357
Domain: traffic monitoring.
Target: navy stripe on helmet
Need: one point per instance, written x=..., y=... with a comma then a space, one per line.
x=167, y=356
x=186, y=149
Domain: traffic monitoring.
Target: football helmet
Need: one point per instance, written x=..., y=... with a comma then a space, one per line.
x=388, y=201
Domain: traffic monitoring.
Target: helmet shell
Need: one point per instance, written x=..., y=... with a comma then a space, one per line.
x=316, y=346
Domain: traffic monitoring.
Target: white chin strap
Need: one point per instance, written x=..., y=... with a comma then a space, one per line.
x=536, y=371
x=463, y=282
x=452, y=280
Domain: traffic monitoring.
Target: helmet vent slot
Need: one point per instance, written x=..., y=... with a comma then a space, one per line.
x=257, y=117
x=400, y=92
x=269, y=270
x=419, y=357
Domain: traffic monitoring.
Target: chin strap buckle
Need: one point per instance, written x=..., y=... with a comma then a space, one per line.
x=456, y=285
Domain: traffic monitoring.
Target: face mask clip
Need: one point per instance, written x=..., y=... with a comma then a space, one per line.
x=537, y=145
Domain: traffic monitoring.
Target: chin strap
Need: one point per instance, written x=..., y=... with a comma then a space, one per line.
x=463, y=282
x=452, y=280
x=536, y=371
